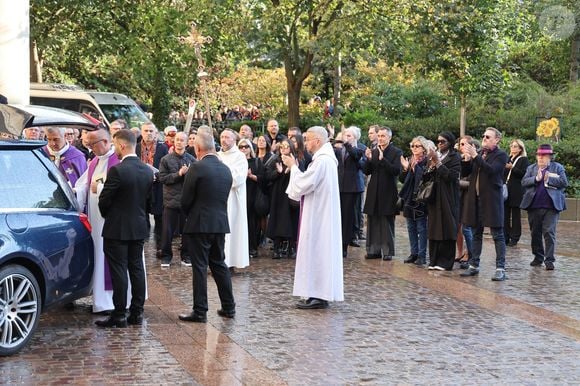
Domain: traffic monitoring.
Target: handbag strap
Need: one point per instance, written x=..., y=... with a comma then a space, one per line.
x=514, y=164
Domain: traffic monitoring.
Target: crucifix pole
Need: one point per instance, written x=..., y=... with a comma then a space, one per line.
x=196, y=40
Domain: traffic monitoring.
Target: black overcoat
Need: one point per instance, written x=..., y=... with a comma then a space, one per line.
x=381, y=199
x=444, y=211
x=490, y=172
x=515, y=190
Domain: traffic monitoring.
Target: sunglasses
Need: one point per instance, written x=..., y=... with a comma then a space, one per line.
x=441, y=141
x=486, y=137
x=244, y=147
x=416, y=146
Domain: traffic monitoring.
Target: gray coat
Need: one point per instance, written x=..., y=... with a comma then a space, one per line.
x=555, y=189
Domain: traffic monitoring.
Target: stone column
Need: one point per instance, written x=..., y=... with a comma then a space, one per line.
x=14, y=51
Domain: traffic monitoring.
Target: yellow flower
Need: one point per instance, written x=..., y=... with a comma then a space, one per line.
x=548, y=128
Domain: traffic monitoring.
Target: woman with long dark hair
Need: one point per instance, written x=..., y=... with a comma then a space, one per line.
x=283, y=214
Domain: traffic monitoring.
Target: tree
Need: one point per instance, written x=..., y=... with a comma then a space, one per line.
x=467, y=43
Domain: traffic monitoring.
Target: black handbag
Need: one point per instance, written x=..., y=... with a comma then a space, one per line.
x=426, y=192
x=262, y=203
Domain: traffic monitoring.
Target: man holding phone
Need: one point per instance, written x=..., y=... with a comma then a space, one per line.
x=172, y=170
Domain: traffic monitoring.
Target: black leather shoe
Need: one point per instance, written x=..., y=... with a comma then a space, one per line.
x=549, y=266
x=354, y=243
x=387, y=258
x=512, y=244
x=372, y=256
x=312, y=304
x=470, y=271
x=193, y=317
x=112, y=322
x=226, y=314
x=411, y=259
x=536, y=263
x=135, y=319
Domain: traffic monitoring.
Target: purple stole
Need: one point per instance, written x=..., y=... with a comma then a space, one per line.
x=113, y=160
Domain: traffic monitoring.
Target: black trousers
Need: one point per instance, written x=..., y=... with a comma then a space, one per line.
x=512, y=226
x=126, y=256
x=347, y=214
x=158, y=229
x=358, y=216
x=207, y=249
x=172, y=220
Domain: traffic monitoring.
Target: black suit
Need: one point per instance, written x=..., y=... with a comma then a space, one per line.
x=123, y=205
x=204, y=201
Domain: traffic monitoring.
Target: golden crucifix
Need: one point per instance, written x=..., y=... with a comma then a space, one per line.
x=196, y=40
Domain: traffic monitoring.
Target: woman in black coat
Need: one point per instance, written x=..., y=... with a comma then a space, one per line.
x=444, y=167
x=283, y=212
x=514, y=171
x=255, y=174
x=263, y=154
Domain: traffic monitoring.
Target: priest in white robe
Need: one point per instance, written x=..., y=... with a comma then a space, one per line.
x=237, y=250
x=319, y=274
x=87, y=189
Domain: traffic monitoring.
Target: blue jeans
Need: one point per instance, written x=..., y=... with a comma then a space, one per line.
x=498, y=239
x=417, y=230
x=468, y=237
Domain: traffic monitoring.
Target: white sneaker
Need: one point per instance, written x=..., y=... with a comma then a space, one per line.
x=431, y=268
x=438, y=268
x=165, y=264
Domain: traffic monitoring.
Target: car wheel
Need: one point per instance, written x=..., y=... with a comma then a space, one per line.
x=20, y=307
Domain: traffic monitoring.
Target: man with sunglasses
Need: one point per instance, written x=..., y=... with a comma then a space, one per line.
x=485, y=203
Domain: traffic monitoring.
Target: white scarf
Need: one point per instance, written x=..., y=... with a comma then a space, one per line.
x=56, y=154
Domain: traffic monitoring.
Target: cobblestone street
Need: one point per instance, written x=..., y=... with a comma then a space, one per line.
x=399, y=324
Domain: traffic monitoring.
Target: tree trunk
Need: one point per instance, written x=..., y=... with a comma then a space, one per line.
x=337, y=85
x=35, y=66
x=294, y=89
x=574, y=57
x=463, y=116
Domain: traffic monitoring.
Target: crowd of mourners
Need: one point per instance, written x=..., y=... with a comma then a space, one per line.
x=447, y=189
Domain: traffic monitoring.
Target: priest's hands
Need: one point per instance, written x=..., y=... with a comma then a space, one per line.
x=289, y=160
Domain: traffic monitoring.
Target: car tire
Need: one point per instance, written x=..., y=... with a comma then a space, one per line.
x=20, y=307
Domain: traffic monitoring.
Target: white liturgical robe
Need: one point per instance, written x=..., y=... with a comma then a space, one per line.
x=318, y=272
x=236, y=245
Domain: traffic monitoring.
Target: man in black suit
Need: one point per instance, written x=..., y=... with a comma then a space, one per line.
x=204, y=201
x=123, y=205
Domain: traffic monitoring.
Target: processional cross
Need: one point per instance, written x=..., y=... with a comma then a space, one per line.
x=196, y=40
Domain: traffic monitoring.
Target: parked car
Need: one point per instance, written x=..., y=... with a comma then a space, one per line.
x=46, y=249
x=108, y=105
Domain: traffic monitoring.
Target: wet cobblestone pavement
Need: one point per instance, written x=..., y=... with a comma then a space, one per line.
x=399, y=325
